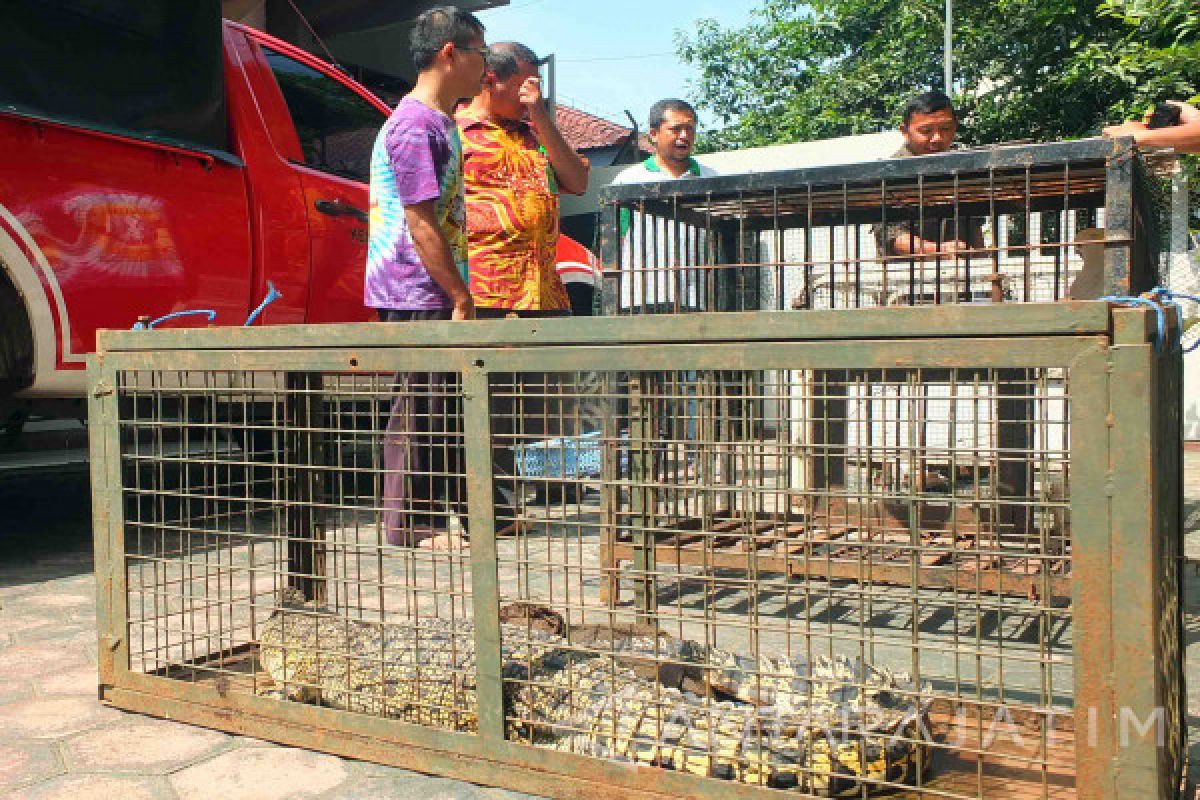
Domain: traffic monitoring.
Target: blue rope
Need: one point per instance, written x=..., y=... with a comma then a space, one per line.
x=273, y=294
x=146, y=326
x=1172, y=298
x=1142, y=302
x=1165, y=297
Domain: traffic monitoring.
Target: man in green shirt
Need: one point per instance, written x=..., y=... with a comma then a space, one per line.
x=673, y=134
x=657, y=279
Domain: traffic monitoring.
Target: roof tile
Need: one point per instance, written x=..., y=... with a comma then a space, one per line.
x=584, y=131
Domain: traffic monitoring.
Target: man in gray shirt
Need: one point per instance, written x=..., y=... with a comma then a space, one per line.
x=929, y=127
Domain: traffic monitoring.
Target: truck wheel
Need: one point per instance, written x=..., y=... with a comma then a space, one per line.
x=16, y=339
x=12, y=428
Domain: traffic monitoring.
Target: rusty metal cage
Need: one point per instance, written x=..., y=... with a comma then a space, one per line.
x=1023, y=223
x=933, y=553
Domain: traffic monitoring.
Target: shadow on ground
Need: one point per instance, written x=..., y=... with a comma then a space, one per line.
x=47, y=521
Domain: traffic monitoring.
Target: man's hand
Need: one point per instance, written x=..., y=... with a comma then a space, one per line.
x=1132, y=128
x=1188, y=114
x=530, y=96
x=1184, y=137
x=570, y=168
x=463, y=309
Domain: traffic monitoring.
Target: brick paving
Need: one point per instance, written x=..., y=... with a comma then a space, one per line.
x=59, y=743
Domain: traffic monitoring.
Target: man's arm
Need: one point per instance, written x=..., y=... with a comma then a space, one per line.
x=435, y=253
x=570, y=168
x=900, y=242
x=916, y=246
x=1184, y=137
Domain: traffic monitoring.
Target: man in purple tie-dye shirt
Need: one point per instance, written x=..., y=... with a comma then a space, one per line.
x=417, y=255
x=416, y=269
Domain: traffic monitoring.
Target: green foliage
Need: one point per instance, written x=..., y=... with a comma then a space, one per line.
x=1024, y=69
x=1174, y=19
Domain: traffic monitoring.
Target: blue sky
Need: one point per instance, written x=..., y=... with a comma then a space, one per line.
x=612, y=54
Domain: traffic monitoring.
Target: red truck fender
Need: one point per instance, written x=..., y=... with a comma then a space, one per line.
x=28, y=322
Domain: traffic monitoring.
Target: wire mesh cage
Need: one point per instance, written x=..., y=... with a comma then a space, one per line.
x=1020, y=223
x=711, y=556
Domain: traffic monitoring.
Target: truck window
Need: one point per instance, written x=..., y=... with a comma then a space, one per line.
x=336, y=126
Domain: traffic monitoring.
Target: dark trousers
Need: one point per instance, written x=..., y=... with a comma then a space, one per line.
x=424, y=477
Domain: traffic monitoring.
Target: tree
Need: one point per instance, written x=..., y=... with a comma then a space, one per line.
x=1024, y=69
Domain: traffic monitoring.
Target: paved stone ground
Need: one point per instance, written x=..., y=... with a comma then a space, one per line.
x=57, y=742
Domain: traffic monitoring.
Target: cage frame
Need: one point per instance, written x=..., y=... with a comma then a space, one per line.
x=1126, y=497
x=1130, y=241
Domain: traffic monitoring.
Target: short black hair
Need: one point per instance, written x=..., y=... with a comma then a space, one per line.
x=928, y=103
x=659, y=110
x=437, y=26
x=505, y=58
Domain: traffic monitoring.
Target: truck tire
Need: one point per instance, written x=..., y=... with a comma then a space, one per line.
x=16, y=338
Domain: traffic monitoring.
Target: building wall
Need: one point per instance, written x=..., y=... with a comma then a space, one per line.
x=248, y=12
x=1052, y=267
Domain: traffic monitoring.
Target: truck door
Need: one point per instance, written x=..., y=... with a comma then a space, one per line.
x=336, y=125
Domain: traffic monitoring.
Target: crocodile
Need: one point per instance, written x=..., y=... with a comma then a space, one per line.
x=420, y=671
x=831, y=727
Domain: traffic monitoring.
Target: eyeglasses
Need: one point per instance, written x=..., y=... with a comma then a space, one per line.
x=483, y=50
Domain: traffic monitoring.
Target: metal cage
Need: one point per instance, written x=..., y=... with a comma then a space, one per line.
x=1021, y=223
x=933, y=553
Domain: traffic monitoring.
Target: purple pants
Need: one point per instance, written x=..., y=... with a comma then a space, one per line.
x=423, y=457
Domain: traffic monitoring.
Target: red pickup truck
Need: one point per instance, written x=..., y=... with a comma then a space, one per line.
x=100, y=227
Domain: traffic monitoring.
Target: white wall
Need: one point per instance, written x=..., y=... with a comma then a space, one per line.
x=1183, y=275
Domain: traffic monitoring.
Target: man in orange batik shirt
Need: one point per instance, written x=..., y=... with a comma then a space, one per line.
x=516, y=162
